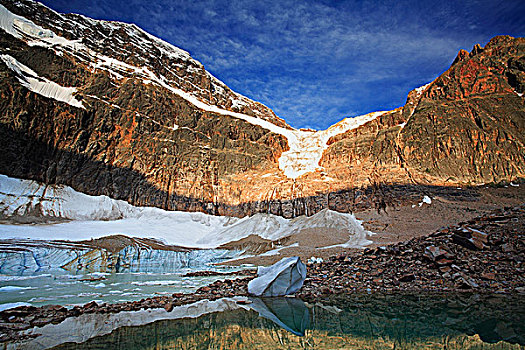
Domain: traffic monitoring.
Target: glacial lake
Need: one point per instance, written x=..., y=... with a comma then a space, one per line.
x=161, y=275
x=400, y=321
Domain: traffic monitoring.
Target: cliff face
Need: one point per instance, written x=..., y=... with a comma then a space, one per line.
x=106, y=108
x=467, y=126
x=136, y=131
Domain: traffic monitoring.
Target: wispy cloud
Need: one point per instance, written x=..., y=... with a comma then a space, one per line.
x=315, y=62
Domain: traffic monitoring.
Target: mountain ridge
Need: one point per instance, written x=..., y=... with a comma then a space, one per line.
x=173, y=138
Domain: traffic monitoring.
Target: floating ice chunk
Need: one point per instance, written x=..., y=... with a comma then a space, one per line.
x=282, y=278
x=12, y=288
x=7, y=306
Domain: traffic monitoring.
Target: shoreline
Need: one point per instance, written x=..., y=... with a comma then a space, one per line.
x=484, y=255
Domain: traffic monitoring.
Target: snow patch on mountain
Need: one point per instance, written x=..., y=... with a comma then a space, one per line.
x=18, y=26
x=421, y=89
x=42, y=86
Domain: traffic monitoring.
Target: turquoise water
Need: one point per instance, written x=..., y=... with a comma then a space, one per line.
x=63, y=288
x=154, y=273
x=398, y=321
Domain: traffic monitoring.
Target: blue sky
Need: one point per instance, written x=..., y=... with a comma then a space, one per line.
x=316, y=62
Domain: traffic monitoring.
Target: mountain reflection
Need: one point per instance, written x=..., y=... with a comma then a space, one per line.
x=348, y=322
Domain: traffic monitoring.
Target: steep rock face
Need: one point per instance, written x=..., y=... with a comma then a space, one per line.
x=142, y=140
x=467, y=126
x=106, y=108
x=120, y=47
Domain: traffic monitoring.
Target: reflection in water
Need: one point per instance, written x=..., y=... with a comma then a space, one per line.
x=288, y=313
x=355, y=322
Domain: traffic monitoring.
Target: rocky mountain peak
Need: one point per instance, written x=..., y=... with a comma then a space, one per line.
x=126, y=51
x=107, y=108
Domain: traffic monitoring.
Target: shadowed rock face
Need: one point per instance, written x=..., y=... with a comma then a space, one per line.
x=140, y=141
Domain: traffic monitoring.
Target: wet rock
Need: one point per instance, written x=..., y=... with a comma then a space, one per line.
x=168, y=306
x=507, y=248
x=466, y=239
x=466, y=283
x=489, y=276
x=440, y=255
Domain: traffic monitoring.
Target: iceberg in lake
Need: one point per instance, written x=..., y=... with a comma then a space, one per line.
x=282, y=278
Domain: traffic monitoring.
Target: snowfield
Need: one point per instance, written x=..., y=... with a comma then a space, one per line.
x=39, y=85
x=85, y=217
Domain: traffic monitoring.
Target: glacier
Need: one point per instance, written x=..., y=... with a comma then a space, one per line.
x=66, y=214
x=30, y=257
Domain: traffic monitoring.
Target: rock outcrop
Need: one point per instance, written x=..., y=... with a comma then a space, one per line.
x=483, y=254
x=467, y=126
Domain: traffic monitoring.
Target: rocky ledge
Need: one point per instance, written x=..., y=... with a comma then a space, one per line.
x=484, y=255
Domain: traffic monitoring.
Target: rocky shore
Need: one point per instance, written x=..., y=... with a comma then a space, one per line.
x=483, y=255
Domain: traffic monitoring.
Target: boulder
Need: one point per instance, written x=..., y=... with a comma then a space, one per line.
x=282, y=278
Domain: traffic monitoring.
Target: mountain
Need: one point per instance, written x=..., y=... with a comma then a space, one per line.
x=108, y=109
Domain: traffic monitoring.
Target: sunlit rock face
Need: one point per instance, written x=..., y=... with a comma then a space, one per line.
x=467, y=126
x=108, y=109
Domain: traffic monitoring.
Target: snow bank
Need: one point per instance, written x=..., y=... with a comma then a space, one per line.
x=425, y=200
x=96, y=216
x=99, y=216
